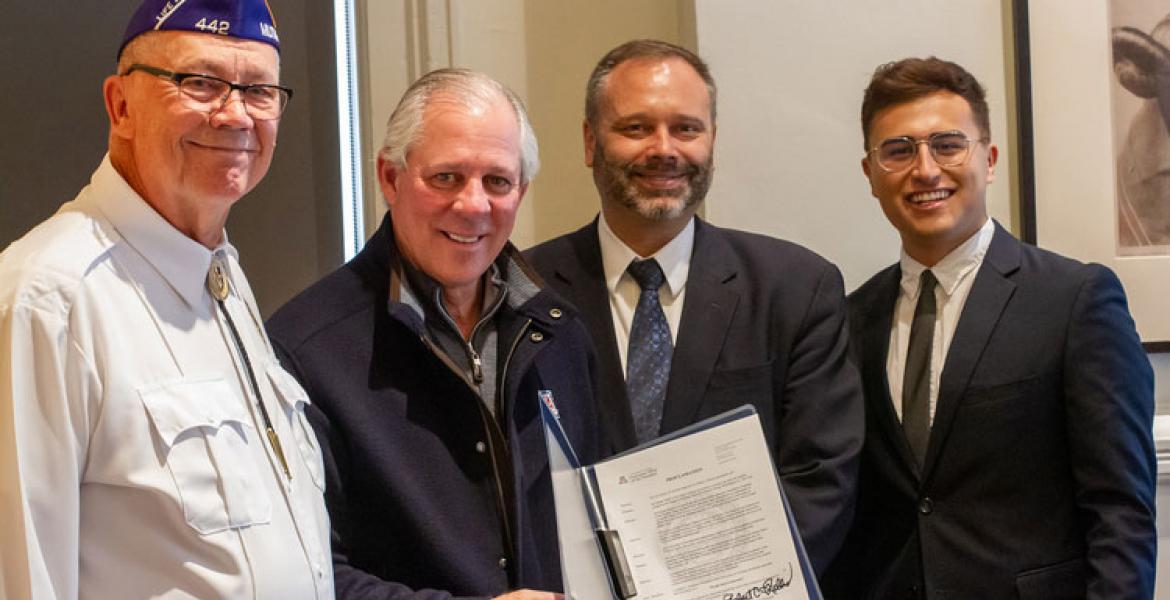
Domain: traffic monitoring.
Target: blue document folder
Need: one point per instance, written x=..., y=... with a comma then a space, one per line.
x=698, y=514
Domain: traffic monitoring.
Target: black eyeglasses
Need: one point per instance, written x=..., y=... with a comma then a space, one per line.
x=947, y=148
x=208, y=93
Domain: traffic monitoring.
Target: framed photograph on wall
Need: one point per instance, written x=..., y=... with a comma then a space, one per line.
x=1093, y=89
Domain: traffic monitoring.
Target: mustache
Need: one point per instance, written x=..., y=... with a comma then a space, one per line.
x=663, y=167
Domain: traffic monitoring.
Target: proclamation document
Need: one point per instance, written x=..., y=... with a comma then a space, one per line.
x=700, y=515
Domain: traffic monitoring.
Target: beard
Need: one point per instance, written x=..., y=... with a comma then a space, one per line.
x=616, y=182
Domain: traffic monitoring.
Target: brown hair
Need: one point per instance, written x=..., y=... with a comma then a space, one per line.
x=909, y=79
x=636, y=49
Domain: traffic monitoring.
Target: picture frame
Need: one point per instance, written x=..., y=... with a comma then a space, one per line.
x=1065, y=145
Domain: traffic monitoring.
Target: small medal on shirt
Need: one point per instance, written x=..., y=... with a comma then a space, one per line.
x=217, y=280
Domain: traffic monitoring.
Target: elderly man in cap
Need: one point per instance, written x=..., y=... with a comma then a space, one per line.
x=427, y=357
x=150, y=444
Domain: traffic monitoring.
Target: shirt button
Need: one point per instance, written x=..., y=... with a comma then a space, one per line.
x=555, y=313
x=503, y=563
x=536, y=336
x=480, y=447
x=926, y=506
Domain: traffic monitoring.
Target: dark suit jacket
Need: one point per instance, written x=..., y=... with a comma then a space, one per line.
x=1039, y=475
x=763, y=323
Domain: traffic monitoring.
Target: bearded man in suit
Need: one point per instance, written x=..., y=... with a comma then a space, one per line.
x=690, y=320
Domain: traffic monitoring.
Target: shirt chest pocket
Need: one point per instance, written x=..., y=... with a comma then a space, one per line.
x=206, y=435
x=294, y=400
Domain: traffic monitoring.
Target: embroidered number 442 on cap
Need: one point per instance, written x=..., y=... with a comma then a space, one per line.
x=242, y=19
x=220, y=26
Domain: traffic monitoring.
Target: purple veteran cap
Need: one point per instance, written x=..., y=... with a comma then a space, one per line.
x=243, y=19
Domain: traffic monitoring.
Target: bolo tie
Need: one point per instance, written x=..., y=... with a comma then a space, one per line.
x=217, y=284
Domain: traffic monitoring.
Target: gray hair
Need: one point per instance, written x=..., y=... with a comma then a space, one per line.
x=471, y=88
x=140, y=49
x=635, y=50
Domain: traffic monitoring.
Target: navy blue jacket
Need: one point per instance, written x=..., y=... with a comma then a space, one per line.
x=1039, y=475
x=429, y=495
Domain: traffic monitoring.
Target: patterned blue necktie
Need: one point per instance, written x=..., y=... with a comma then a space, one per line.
x=650, y=350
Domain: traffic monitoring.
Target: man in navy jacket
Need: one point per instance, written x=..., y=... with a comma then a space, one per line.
x=424, y=357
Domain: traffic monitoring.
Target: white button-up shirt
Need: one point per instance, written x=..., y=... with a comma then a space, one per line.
x=675, y=260
x=955, y=274
x=133, y=460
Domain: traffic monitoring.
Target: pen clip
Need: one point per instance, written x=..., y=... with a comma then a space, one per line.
x=616, y=563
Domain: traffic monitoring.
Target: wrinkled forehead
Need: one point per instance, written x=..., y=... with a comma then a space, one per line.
x=656, y=79
x=231, y=58
x=459, y=121
x=474, y=105
x=472, y=102
x=919, y=117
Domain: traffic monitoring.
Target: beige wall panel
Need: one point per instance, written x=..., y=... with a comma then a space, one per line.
x=565, y=40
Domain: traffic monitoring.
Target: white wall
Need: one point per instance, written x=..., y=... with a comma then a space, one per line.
x=789, y=146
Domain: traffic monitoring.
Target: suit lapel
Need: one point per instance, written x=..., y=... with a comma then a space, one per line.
x=988, y=298
x=584, y=276
x=874, y=341
x=710, y=302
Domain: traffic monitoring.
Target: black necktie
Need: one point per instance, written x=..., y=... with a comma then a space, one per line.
x=650, y=351
x=916, y=382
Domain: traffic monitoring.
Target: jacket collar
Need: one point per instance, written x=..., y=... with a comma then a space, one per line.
x=526, y=290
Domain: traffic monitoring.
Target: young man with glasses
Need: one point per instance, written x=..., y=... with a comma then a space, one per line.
x=1009, y=402
x=150, y=444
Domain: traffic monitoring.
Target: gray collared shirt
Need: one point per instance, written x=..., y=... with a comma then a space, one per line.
x=477, y=356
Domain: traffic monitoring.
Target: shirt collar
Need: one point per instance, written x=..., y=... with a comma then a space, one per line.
x=674, y=257
x=182, y=261
x=426, y=293
x=955, y=266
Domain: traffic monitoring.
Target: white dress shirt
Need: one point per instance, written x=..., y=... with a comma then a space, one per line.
x=675, y=260
x=955, y=274
x=133, y=462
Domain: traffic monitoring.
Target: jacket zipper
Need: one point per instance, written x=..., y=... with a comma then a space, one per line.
x=476, y=364
x=490, y=427
x=507, y=363
x=499, y=400
x=476, y=361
